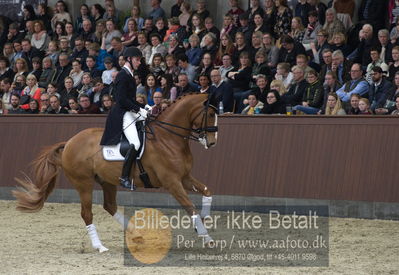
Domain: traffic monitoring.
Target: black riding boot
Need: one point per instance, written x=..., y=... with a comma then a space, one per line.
x=127, y=166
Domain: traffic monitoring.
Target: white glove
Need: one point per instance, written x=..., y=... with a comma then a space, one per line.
x=143, y=113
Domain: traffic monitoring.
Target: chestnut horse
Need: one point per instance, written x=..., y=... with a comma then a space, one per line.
x=167, y=160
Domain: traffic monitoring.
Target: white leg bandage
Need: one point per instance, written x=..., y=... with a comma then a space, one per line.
x=206, y=206
x=201, y=230
x=121, y=219
x=95, y=240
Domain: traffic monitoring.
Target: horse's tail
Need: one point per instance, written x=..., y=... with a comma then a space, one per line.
x=31, y=195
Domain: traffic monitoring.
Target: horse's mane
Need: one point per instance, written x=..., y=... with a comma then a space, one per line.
x=174, y=103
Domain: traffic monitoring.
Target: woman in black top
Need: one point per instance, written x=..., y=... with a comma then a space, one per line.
x=274, y=104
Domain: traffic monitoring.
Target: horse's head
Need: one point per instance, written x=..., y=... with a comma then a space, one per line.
x=205, y=122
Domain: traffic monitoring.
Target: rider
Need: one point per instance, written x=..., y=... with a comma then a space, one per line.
x=125, y=113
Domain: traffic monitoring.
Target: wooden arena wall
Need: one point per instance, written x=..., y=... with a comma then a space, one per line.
x=327, y=158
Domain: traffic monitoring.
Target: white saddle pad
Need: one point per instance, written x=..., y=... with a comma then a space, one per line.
x=112, y=152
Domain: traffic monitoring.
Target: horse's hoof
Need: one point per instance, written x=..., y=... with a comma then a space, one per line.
x=102, y=249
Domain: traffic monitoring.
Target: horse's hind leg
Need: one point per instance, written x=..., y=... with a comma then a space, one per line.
x=110, y=205
x=85, y=189
x=192, y=184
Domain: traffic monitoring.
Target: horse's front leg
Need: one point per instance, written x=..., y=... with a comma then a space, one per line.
x=192, y=184
x=176, y=188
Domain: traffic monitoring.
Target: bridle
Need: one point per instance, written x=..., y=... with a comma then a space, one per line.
x=196, y=134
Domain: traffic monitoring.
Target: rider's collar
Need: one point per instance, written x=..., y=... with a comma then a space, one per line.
x=128, y=69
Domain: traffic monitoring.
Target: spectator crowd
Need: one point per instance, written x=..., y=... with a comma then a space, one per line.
x=272, y=58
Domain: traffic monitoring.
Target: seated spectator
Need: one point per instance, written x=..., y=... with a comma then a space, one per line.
x=301, y=10
x=254, y=105
x=274, y=104
x=87, y=32
x=209, y=44
x=144, y=47
x=226, y=67
x=56, y=106
x=171, y=67
x=395, y=112
x=341, y=66
x=61, y=14
x=5, y=93
x=333, y=106
x=338, y=42
x=197, y=26
x=327, y=66
x=283, y=19
x=157, y=108
x=320, y=45
x=186, y=68
x=240, y=79
x=367, y=41
x=289, y=50
x=260, y=68
x=76, y=74
x=31, y=91
x=15, y=106
x=36, y=67
x=44, y=103
x=71, y=35
x=259, y=24
x=111, y=32
x=229, y=27
x=112, y=13
x=175, y=28
x=5, y=70
x=40, y=39
x=271, y=50
x=84, y=15
x=193, y=52
x=211, y=28
x=109, y=69
x=394, y=34
x=226, y=47
x=106, y=104
x=312, y=99
x=21, y=68
x=380, y=89
x=62, y=70
x=183, y=85
x=97, y=92
x=157, y=11
x=129, y=37
x=3, y=110
x=254, y=9
x=59, y=31
x=204, y=82
x=333, y=25
x=303, y=62
x=20, y=84
x=296, y=92
x=87, y=84
x=244, y=27
x=150, y=88
x=222, y=91
x=206, y=65
x=297, y=30
x=157, y=47
x=240, y=47
x=354, y=105
x=141, y=98
x=73, y=105
x=86, y=107
x=33, y=107
x=65, y=48
x=358, y=85
x=91, y=67
x=99, y=31
x=283, y=74
x=376, y=61
x=278, y=85
x=331, y=85
x=167, y=87
x=185, y=14
x=261, y=89
x=160, y=28
x=364, y=107
x=68, y=91
x=8, y=53
x=47, y=74
x=80, y=52
x=256, y=44
x=394, y=66
x=157, y=66
x=52, y=90
x=201, y=10
x=174, y=47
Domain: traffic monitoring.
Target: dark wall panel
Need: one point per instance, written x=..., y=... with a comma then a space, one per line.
x=338, y=158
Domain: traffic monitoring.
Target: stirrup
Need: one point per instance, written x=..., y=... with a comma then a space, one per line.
x=127, y=183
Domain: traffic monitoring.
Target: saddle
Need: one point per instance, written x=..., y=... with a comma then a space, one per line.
x=118, y=152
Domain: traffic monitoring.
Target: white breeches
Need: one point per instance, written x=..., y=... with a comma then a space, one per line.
x=130, y=130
